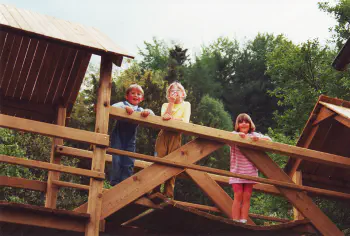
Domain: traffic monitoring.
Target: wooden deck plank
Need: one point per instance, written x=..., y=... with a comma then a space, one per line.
x=11, y=63
x=300, y=200
x=53, y=130
x=34, y=71
x=18, y=68
x=51, y=167
x=22, y=78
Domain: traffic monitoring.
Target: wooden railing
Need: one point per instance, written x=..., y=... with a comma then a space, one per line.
x=176, y=163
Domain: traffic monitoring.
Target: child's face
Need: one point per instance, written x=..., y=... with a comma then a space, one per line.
x=243, y=126
x=176, y=92
x=134, y=96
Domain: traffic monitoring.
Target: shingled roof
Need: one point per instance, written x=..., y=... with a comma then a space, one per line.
x=43, y=61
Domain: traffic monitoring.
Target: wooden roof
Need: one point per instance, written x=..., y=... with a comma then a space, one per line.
x=43, y=61
x=343, y=58
x=327, y=130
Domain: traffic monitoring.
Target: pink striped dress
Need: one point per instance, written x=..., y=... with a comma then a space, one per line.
x=239, y=164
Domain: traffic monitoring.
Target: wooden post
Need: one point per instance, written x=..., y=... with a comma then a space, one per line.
x=99, y=153
x=297, y=178
x=52, y=190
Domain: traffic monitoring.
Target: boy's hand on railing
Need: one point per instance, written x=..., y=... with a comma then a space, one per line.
x=242, y=135
x=255, y=138
x=129, y=110
x=145, y=113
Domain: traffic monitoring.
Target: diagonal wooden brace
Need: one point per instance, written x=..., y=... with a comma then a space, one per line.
x=299, y=199
x=144, y=181
x=221, y=199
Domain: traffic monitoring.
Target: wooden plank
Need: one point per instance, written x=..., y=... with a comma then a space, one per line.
x=297, y=179
x=10, y=20
x=228, y=173
x=58, y=96
x=147, y=179
x=10, y=90
x=300, y=200
x=340, y=110
x=42, y=217
x=22, y=78
x=323, y=115
x=34, y=71
x=75, y=152
x=5, y=55
x=52, y=191
x=42, y=84
x=49, y=76
x=73, y=76
x=229, y=138
x=343, y=120
x=52, y=167
x=53, y=130
x=59, y=68
x=214, y=209
x=98, y=161
x=79, y=79
x=11, y=63
x=17, y=16
x=3, y=19
x=16, y=182
x=3, y=36
x=32, y=20
x=220, y=198
x=25, y=106
x=59, y=183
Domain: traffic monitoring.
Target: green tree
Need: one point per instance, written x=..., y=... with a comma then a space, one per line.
x=341, y=12
x=300, y=74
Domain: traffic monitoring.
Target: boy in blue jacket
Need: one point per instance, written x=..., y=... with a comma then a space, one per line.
x=124, y=134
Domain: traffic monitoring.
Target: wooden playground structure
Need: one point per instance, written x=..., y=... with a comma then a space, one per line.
x=43, y=63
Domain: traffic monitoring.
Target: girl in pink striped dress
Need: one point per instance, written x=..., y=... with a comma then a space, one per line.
x=239, y=164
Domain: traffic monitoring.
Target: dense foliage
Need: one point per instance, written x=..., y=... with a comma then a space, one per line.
x=269, y=77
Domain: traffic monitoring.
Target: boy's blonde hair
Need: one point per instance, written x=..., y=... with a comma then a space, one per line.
x=134, y=86
x=178, y=85
x=245, y=117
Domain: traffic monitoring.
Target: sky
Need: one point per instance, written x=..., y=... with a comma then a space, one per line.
x=191, y=23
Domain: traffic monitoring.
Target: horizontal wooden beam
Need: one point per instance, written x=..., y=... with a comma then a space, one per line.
x=42, y=217
x=229, y=138
x=229, y=174
x=52, y=167
x=23, y=183
x=51, y=130
x=76, y=152
x=70, y=185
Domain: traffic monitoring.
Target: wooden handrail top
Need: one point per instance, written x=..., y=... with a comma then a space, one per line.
x=229, y=138
x=51, y=130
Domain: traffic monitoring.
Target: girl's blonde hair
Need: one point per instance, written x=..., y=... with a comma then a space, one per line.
x=244, y=117
x=178, y=85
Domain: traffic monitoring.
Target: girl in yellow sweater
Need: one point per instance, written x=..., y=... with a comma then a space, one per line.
x=168, y=141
